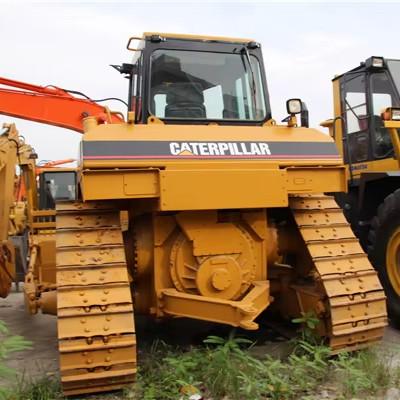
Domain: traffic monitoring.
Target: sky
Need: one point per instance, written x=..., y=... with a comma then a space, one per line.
x=71, y=45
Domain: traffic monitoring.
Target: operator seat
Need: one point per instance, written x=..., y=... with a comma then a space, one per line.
x=185, y=100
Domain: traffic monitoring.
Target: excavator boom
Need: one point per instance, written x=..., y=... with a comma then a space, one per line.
x=55, y=163
x=50, y=105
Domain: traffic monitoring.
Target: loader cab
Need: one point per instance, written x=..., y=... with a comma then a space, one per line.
x=184, y=79
x=360, y=97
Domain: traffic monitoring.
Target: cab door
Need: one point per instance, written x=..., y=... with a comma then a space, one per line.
x=355, y=117
x=382, y=95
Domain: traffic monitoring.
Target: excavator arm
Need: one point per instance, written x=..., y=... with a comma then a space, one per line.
x=50, y=105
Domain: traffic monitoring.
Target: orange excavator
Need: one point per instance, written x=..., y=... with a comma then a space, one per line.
x=51, y=105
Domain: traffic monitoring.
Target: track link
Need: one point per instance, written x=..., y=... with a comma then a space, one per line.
x=354, y=302
x=96, y=330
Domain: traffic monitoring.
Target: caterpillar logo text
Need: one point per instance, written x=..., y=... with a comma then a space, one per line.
x=220, y=148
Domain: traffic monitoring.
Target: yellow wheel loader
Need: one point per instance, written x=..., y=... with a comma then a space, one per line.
x=198, y=205
x=8, y=162
x=365, y=128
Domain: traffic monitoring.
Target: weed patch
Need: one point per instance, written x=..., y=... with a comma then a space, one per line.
x=225, y=369
x=365, y=372
x=47, y=388
x=8, y=344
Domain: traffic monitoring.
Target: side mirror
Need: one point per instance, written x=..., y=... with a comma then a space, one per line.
x=124, y=68
x=304, y=115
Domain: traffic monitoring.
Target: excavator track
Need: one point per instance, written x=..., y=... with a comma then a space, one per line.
x=352, y=298
x=96, y=331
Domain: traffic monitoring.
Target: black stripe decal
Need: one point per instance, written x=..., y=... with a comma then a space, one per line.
x=206, y=149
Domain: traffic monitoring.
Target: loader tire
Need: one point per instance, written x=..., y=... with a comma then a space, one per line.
x=384, y=251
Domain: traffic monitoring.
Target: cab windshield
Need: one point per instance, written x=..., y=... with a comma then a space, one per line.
x=206, y=86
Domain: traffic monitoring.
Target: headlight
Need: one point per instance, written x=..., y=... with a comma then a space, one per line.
x=293, y=106
x=374, y=62
x=395, y=115
x=377, y=62
x=391, y=114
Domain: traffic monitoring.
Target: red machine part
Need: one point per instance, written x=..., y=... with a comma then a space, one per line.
x=50, y=105
x=55, y=163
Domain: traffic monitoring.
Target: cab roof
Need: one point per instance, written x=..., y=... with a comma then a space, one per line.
x=358, y=68
x=363, y=67
x=200, y=38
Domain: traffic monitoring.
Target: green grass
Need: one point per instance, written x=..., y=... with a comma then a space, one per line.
x=225, y=369
x=367, y=372
x=8, y=344
x=46, y=388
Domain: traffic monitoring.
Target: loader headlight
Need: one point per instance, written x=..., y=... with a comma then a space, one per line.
x=374, y=62
x=395, y=114
x=391, y=114
x=294, y=106
x=377, y=62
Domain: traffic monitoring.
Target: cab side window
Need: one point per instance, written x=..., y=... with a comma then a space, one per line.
x=354, y=104
x=382, y=97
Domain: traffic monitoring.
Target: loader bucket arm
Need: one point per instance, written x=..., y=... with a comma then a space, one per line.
x=50, y=105
x=9, y=143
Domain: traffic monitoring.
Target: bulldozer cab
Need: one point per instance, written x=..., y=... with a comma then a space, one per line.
x=184, y=78
x=361, y=95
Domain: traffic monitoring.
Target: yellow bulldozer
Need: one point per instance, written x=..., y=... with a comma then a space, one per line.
x=197, y=205
x=365, y=128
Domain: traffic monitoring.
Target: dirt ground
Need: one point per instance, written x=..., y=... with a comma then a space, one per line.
x=41, y=330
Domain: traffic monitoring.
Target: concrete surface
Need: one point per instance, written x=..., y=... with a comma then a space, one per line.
x=40, y=329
